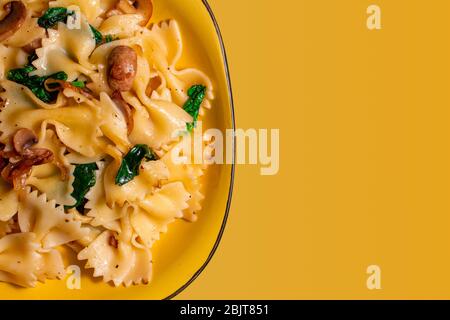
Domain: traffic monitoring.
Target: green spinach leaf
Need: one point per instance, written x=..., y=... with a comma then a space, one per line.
x=129, y=167
x=52, y=16
x=99, y=39
x=85, y=179
x=97, y=35
x=35, y=83
x=58, y=14
x=196, y=95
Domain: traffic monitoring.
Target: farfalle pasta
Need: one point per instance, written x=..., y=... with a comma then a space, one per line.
x=93, y=108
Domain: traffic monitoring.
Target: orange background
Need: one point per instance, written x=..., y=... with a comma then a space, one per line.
x=365, y=164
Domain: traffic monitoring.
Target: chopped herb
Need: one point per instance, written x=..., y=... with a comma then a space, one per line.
x=85, y=179
x=35, y=83
x=78, y=84
x=131, y=162
x=97, y=35
x=52, y=16
x=196, y=95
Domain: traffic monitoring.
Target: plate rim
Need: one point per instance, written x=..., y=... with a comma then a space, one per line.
x=233, y=127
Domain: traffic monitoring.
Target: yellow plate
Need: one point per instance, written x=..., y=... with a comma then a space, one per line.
x=186, y=249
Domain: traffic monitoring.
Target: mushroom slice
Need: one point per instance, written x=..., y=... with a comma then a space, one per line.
x=57, y=85
x=14, y=19
x=7, y=154
x=153, y=85
x=142, y=7
x=145, y=9
x=18, y=172
x=38, y=155
x=125, y=108
x=24, y=139
x=32, y=46
x=23, y=158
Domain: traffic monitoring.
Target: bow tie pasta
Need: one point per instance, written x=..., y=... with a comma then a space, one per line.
x=93, y=103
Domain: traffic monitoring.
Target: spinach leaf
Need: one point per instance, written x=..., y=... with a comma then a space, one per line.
x=132, y=161
x=58, y=14
x=99, y=39
x=196, y=95
x=20, y=75
x=85, y=179
x=97, y=35
x=52, y=16
x=35, y=83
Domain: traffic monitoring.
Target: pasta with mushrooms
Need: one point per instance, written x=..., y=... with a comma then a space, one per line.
x=93, y=107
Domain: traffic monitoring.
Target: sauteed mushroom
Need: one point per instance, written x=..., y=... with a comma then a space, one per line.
x=142, y=7
x=125, y=108
x=14, y=19
x=17, y=164
x=153, y=85
x=122, y=63
x=24, y=139
x=32, y=46
x=57, y=85
x=18, y=172
x=145, y=9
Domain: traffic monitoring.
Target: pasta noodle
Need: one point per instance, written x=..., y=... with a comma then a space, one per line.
x=93, y=109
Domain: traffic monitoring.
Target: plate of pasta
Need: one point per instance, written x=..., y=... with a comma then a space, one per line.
x=99, y=100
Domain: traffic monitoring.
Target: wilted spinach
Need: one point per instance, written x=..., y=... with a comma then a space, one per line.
x=85, y=179
x=52, y=16
x=97, y=35
x=129, y=167
x=196, y=95
x=35, y=83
